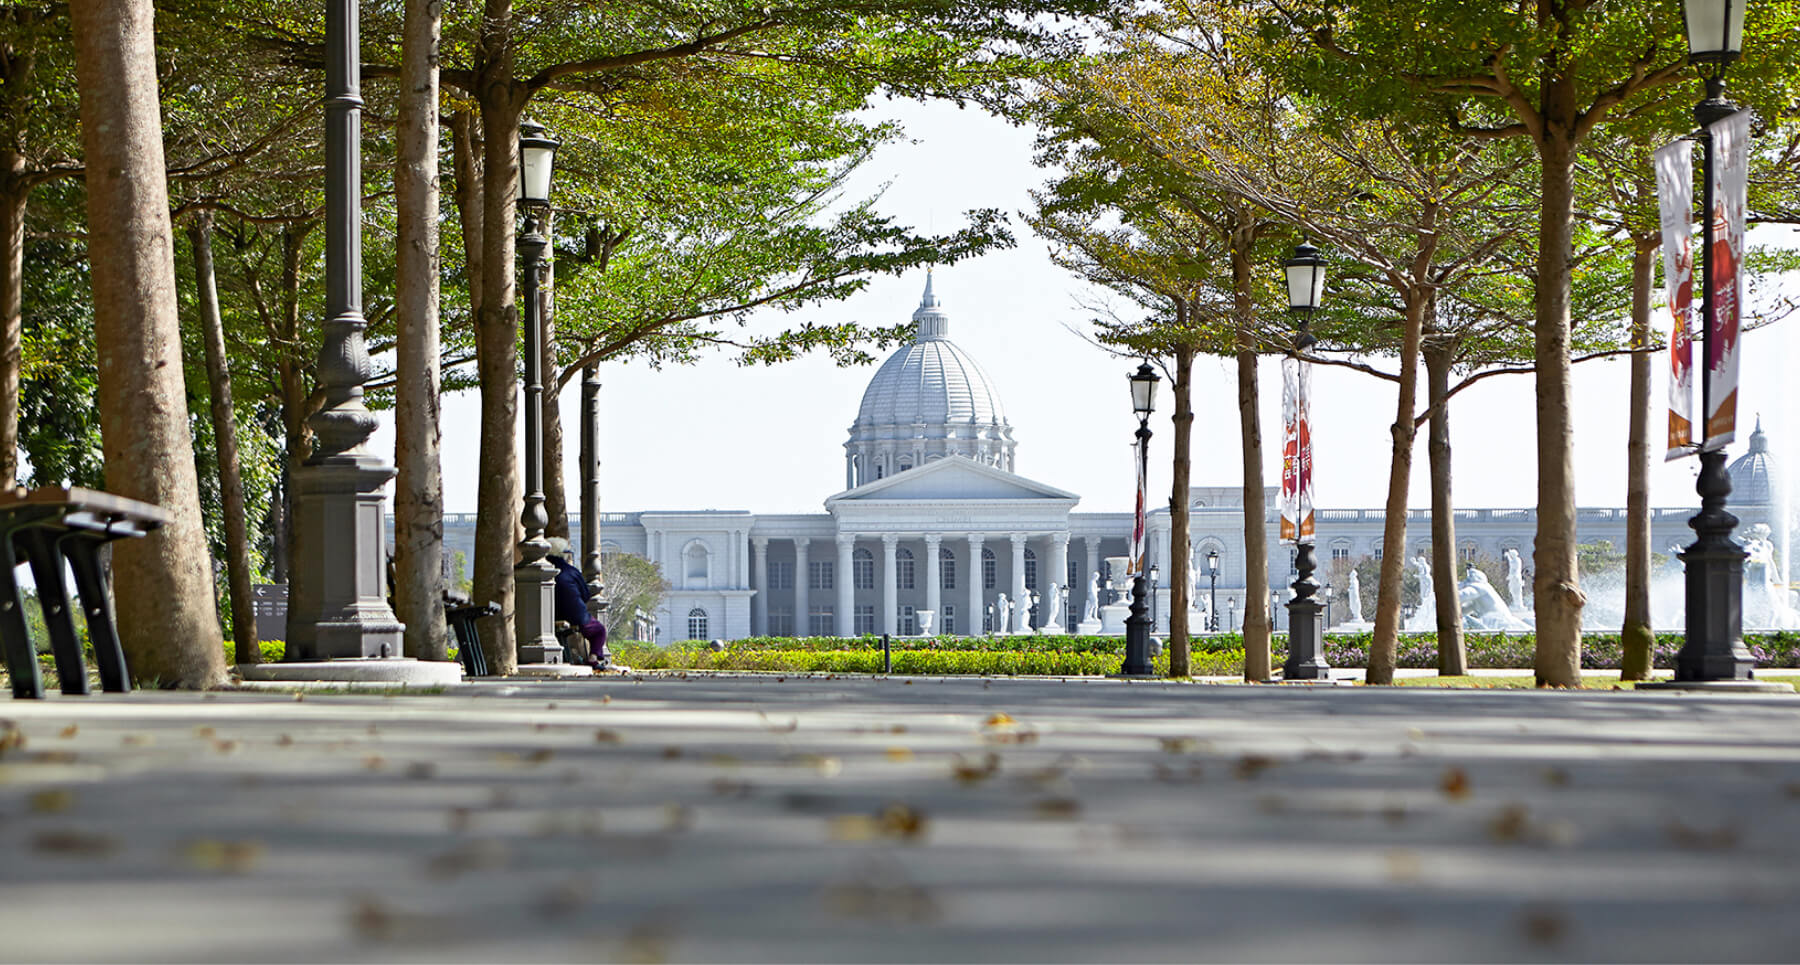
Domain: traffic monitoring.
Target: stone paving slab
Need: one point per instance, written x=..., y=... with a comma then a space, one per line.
x=760, y=818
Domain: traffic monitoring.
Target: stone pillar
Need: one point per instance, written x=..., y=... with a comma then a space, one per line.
x=977, y=607
x=1059, y=574
x=1021, y=603
x=934, y=580
x=802, y=583
x=846, y=585
x=890, y=584
x=759, y=581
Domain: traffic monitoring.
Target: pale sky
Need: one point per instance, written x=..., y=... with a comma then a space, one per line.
x=718, y=436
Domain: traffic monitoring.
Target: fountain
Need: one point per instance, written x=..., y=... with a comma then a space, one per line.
x=1118, y=587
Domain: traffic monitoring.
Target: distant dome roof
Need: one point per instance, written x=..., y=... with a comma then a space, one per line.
x=932, y=381
x=928, y=401
x=1753, y=478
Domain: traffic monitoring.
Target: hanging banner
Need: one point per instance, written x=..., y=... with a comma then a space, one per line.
x=1303, y=435
x=1675, y=195
x=1136, y=565
x=1725, y=281
x=1290, y=450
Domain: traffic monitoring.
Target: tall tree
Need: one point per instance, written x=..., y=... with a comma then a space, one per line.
x=164, y=597
x=418, y=487
x=225, y=441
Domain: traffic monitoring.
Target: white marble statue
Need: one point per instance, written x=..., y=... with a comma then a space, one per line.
x=1051, y=618
x=1002, y=614
x=1515, y=579
x=1482, y=608
x=1424, y=616
x=1090, y=607
x=1765, y=600
x=1355, y=595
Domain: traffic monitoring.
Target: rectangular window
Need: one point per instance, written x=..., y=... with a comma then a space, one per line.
x=909, y=624
x=1378, y=552
x=865, y=619
x=818, y=574
x=904, y=569
x=1468, y=552
x=821, y=622
x=987, y=620
x=1340, y=552
x=947, y=572
x=781, y=575
x=1030, y=572
x=987, y=570
x=1293, y=562
x=781, y=621
x=947, y=625
x=862, y=569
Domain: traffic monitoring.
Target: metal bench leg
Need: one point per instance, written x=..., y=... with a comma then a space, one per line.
x=21, y=661
x=53, y=596
x=96, y=604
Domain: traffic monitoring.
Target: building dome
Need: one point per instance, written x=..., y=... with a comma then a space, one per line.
x=1753, y=477
x=928, y=400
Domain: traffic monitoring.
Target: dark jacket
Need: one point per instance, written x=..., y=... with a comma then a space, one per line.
x=571, y=593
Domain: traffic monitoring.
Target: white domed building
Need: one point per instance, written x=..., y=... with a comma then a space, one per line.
x=934, y=518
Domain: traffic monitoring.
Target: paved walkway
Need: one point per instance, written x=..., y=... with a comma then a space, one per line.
x=850, y=819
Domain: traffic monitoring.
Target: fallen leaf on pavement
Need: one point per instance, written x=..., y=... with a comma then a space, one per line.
x=235, y=857
x=69, y=731
x=970, y=773
x=75, y=844
x=1455, y=783
x=52, y=801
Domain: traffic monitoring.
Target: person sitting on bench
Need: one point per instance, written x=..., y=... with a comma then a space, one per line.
x=572, y=593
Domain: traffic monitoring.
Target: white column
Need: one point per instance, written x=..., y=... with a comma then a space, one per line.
x=759, y=581
x=1059, y=574
x=977, y=607
x=890, y=585
x=802, y=582
x=933, y=580
x=1021, y=608
x=846, y=585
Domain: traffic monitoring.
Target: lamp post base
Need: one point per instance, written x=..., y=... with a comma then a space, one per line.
x=1306, y=652
x=534, y=612
x=344, y=612
x=1714, y=649
x=1137, y=634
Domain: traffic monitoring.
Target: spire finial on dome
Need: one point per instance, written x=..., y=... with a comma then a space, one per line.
x=930, y=318
x=1759, y=441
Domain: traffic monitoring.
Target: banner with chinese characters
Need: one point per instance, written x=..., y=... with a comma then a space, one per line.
x=1675, y=194
x=1725, y=281
x=1296, y=452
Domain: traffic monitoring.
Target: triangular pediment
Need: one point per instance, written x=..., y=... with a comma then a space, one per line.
x=952, y=477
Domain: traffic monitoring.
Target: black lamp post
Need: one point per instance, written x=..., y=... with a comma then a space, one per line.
x=339, y=606
x=1155, y=581
x=1306, y=658
x=1137, y=624
x=1328, y=592
x=1212, y=572
x=1714, y=650
x=534, y=615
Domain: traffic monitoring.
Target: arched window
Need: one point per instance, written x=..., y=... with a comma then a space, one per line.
x=880, y=470
x=856, y=471
x=1466, y=552
x=862, y=569
x=946, y=569
x=987, y=568
x=1030, y=569
x=697, y=624
x=696, y=562
x=903, y=566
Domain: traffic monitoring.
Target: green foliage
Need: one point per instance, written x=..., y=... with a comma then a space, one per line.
x=634, y=587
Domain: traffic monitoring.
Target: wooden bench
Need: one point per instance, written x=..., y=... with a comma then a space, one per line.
x=48, y=526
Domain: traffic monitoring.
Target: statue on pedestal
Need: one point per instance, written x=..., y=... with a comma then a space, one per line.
x=1355, y=594
x=1003, y=609
x=1515, y=579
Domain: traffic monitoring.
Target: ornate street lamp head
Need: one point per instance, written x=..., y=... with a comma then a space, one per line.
x=537, y=159
x=1143, y=391
x=1212, y=562
x=1305, y=278
x=1715, y=30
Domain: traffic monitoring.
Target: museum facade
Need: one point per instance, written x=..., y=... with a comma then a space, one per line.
x=935, y=530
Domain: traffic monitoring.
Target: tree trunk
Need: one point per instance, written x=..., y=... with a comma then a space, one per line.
x=225, y=447
x=418, y=485
x=501, y=99
x=556, y=490
x=1384, y=648
x=167, y=616
x=465, y=160
x=1556, y=581
x=1453, y=658
x=296, y=406
x=13, y=195
x=1637, y=636
x=1180, y=528
x=1257, y=662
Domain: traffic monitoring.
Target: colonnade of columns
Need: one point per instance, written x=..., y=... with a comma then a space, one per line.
x=1052, y=556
